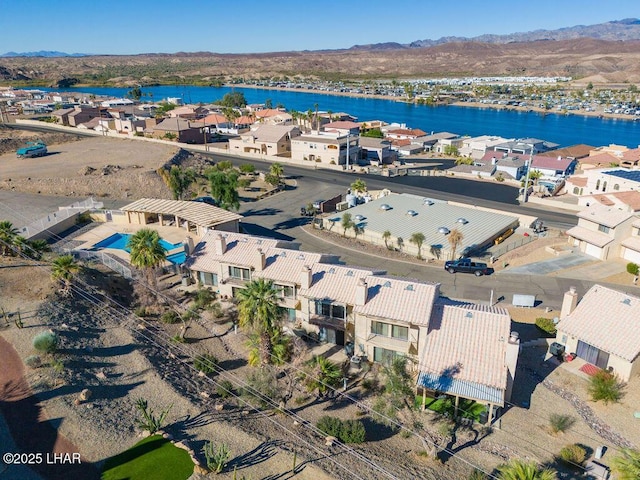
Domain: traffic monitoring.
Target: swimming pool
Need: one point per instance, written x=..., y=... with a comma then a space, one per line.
x=119, y=241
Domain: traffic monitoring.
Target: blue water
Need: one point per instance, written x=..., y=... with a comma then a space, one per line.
x=177, y=258
x=562, y=129
x=119, y=241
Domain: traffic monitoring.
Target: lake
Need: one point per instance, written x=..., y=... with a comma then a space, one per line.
x=562, y=129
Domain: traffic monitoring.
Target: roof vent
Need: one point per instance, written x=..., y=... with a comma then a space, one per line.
x=349, y=273
x=463, y=221
x=283, y=254
x=300, y=257
x=359, y=217
x=409, y=287
x=444, y=230
x=259, y=241
x=385, y=206
x=627, y=301
x=469, y=315
x=428, y=201
x=387, y=284
x=412, y=213
x=332, y=270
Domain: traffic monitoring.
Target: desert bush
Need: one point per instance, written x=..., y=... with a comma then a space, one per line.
x=148, y=421
x=477, y=475
x=140, y=311
x=560, y=423
x=170, y=316
x=262, y=386
x=216, y=310
x=46, y=342
x=605, y=386
x=348, y=431
x=33, y=361
x=546, y=325
x=205, y=363
x=224, y=389
x=216, y=458
x=178, y=339
x=204, y=298
x=446, y=428
x=633, y=268
x=574, y=455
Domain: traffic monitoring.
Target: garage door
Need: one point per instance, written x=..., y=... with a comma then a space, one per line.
x=631, y=255
x=593, y=250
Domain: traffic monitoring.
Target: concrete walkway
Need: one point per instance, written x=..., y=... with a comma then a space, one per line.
x=552, y=265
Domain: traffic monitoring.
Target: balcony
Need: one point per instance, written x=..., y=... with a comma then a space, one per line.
x=328, y=322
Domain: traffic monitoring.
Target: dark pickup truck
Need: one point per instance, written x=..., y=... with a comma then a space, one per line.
x=465, y=265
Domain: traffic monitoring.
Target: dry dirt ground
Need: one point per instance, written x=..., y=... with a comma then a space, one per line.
x=99, y=167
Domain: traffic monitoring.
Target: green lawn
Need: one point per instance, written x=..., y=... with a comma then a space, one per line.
x=466, y=408
x=154, y=458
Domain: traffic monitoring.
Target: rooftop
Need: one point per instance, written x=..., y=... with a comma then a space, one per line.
x=199, y=213
x=335, y=282
x=633, y=175
x=607, y=216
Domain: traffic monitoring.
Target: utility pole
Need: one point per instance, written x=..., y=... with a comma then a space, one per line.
x=526, y=182
x=348, y=141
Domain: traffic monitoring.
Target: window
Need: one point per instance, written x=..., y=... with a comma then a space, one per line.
x=207, y=278
x=285, y=291
x=330, y=310
x=239, y=273
x=598, y=185
x=603, y=228
x=389, y=330
x=576, y=190
x=604, y=187
x=383, y=355
x=616, y=187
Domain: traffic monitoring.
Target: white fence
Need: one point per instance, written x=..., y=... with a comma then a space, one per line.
x=106, y=259
x=64, y=213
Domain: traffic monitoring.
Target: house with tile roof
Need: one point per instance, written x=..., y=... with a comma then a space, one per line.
x=183, y=130
x=577, y=152
x=611, y=179
x=601, y=230
x=266, y=140
x=513, y=165
x=626, y=201
x=342, y=127
x=630, y=158
x=469, y=352
x=630, y=250
x=602, y=329
x=553, y=167
x=326, y=148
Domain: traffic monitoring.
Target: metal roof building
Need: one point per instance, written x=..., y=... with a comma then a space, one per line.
x=405, y=214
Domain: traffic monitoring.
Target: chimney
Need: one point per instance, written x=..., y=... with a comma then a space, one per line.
x=220, y=244
x=559, y=158
x=361, y=292
x=188, y=246
x=494, y=160
x=511, y=359
x=569, y=302
x=306, y=277
x=261, y=260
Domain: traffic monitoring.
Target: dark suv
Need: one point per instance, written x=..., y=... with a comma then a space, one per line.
x=465, y=265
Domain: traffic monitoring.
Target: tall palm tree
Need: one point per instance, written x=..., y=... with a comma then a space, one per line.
x=63, y=270
x=386, y=235
x=521, y=470
x=418, y=239
x=455, y=238
x=147, y=253
x=627, y=464
x=8, y=234
x=321, y=374
x=36, y=248
x=258, y=309
x=276, y=170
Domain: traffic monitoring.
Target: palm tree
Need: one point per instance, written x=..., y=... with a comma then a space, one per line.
x=147, y=253
x=400, y=242
x=276, y=170
x=386, y=235
x=455, y=238
x=358, y=186
x=321, y=374
x=521, y=470
x=346, y=223
x=36, y=248
x=418, y=239
x=63, y=270
x=627, y=464
x=8, y=234
x=258, y=309
x=21, y=245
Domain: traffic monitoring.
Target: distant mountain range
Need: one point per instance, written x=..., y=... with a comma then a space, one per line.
x=627, y=29
x=44, y=53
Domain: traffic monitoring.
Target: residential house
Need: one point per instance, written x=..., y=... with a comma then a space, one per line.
x=82, y=114
x=630, y=158
x=479, y=170
x=601, y=230
x=631, y=244
x=553, y=167
x=429, y=141
x=183, y=131
x=602, y=329
x=577, y=152
x=613, y=149
x=625, y=201
x=343, y=127
x=523, y=146
x=603, y=180
x=405, y=147
x=469, y=352
x=62, y=115
x=404, y=133
x=376, y=151
x=513, y=166
x=443, y=145
x=599, y=160
x=188, y=112
x=476, y=147
x=327, y=148
x=266, y=140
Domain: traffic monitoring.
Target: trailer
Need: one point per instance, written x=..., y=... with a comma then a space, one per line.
x=33, y=149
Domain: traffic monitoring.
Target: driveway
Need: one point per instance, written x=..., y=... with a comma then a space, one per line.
x=545, y=267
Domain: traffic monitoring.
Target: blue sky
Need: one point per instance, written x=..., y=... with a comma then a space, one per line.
x=251, y=26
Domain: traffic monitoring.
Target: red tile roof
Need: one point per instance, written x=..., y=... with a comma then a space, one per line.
x=549, y=163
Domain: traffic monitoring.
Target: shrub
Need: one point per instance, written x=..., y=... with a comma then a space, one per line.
x=349, y=431
x=546, y=325
x=605, y=386
x=204, y=298
x=224, y=389
x=33, y=361
x=477, y=475
x=573, y=455
x=148, y=420
x=178, y=339
x=46, y=342
x=205, y=363
x=170, y=316
x=560, y=423
x=216, y=310
x=633, y=268
x=140, y=311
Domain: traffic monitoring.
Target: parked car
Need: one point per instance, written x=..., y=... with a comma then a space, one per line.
x=465, y=265
x=208, y=200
